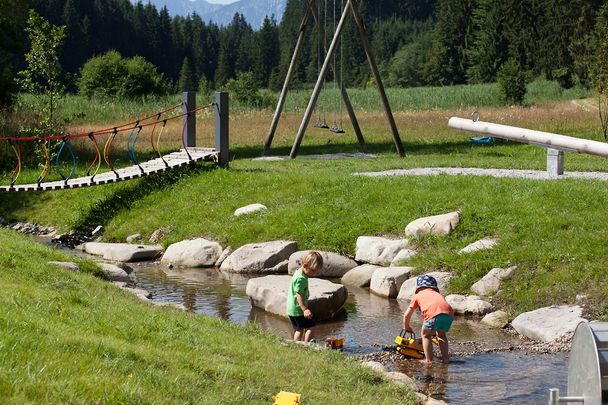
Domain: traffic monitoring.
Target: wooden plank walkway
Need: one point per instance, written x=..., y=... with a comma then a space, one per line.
x=172, y=160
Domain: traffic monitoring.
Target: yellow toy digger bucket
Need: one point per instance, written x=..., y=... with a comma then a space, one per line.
x=287, y=398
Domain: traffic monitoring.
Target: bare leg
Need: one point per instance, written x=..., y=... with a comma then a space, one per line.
x=297, y=335
x=443, y=346
x=427, y=344
x=309, y=335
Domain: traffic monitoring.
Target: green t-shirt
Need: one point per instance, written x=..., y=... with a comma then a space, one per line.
x=299, y=284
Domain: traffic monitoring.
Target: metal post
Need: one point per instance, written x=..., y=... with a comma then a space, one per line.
x=553, y=396
x=189, y=100
x=555, y=162
x=317, y=89
x=222, y=131
x=374, y=68
x=283, y=96
x=338, y=78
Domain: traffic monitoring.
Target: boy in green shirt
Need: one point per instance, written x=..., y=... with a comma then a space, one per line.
x=297, y=297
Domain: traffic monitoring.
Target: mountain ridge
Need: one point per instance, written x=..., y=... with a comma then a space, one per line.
x=221, y=14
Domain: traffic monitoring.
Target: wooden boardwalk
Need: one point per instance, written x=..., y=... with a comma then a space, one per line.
x=171, y=160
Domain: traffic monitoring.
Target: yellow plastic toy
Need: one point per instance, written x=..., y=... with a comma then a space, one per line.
x=334, y=343
x=287, y=398
x=410, y=346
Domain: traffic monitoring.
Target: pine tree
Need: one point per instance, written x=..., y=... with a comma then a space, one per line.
x=12, y=14
x=186, y=82
x=267, y=51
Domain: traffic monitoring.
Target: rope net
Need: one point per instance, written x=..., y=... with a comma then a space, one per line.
x=134, y=128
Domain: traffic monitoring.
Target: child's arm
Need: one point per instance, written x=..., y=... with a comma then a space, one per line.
x=406, y=319
x=302, y=304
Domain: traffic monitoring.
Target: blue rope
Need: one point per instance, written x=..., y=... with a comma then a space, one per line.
x=129, y=152
x=74, y=160
x=134, y=159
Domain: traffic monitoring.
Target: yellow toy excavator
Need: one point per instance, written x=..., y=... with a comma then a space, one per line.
x=410, y=346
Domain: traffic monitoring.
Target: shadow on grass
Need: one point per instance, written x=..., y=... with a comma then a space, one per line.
x=104, y=210
x=442, y=148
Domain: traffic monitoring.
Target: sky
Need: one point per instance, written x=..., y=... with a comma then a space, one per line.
x=221, y=1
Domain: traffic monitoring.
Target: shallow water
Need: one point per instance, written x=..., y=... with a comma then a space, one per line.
x=371, y=323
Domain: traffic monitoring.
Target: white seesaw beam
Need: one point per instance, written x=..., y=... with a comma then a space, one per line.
x=540, y=138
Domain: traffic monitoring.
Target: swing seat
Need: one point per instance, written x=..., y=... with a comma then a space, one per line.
x=321, y=125
x=337, y=130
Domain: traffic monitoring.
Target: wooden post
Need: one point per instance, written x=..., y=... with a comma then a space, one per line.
x=222, y=130
x=189, y=100
x=338, y=78
x=376, y=74
x=318, y=85
x=283, y=96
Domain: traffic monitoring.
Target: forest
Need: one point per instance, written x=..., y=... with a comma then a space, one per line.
x=416, y=43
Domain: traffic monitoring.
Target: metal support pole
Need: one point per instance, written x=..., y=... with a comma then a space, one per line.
x=317, y=89
x=283, y=96
x=189, y=100
x=222, y=130
x=374, y=68
x=555, y=399
x=338, y=78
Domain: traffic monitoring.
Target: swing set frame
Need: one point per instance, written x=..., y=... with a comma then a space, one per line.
x=350, y=8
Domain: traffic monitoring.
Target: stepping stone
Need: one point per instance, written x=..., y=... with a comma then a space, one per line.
x=197, y=252
x=387, y=281
x=442, y=224
x=260, y=257
x=549, y=323
x=270, y=294
x=123, y=252
x=334, y=265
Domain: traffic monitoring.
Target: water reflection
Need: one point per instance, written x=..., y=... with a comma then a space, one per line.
x=370, y=322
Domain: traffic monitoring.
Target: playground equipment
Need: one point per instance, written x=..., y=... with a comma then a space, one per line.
x=312, y=10
x=556, y=144
x=187, y=155
x=587, y=367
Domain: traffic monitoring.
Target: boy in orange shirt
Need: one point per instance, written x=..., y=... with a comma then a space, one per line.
x=437, y=316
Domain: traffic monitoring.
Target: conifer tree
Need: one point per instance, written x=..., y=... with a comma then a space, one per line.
x=186, y=82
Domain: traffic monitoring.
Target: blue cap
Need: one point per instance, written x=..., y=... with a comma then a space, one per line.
x=426, y=281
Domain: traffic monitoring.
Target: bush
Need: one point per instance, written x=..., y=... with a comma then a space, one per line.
x=512, y=82
x=112, y=75
x=244, y=89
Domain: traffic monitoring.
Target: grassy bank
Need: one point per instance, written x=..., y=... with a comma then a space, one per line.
x=551, y=230
x=70, y=337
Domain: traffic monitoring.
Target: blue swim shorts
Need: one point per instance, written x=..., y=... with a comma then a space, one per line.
x=440, y=322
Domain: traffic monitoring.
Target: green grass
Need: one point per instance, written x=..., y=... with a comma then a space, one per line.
x=69, y=337
x=79, y=109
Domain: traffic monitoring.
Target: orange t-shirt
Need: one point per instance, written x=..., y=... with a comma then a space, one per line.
x=431, y=304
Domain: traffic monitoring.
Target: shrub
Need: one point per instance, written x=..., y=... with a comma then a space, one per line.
x=244, y=89
x=512, y=82
x=112, y=75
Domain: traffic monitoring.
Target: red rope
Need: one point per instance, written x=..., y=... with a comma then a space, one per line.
x=121, y=128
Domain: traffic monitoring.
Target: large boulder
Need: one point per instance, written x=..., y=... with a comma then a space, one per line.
x=482, y=244
x=387, y=281
x=442, y=224
x=334, y=265
x=377, y=250
x=408, y=288
x=490, y=283
x=260, y=257
x=403, y=256
x=497, y=319
x=270, y=294
x=123, y=252
x=468, y=305
x=549, y=323
x=197, y=252
x=360, y=276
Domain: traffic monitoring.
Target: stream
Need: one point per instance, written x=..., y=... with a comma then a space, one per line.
x=369, y=324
